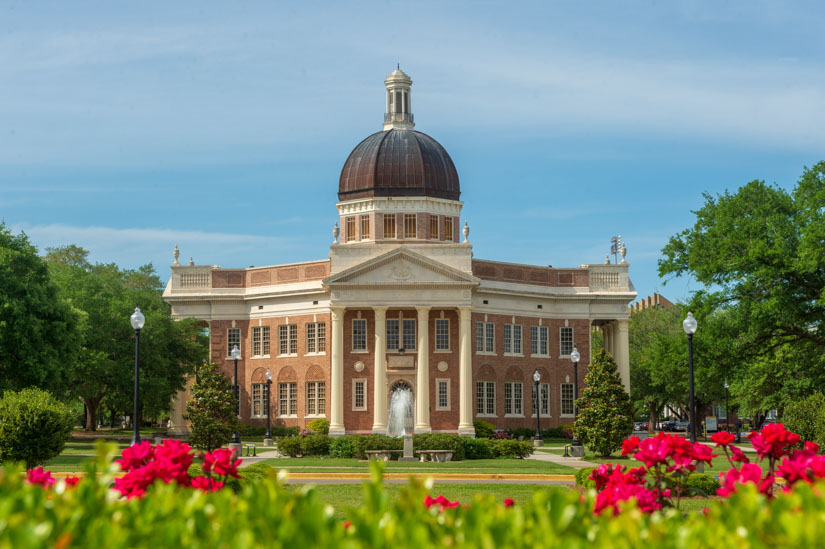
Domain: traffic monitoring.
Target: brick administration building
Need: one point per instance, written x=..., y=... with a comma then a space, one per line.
x=402, y=303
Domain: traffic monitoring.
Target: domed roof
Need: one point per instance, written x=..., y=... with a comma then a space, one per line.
x=399, y=162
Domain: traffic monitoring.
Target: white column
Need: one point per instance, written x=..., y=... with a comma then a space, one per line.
x=422, y=396
x=336, y=418
x=465, y=372
x=623, y=352
x=379, y=383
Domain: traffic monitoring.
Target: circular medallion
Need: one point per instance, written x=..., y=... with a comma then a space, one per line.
x=442, y=366
x=466, y=294
x=359, y=366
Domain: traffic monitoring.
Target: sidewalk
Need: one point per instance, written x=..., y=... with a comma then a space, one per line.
x=575, y=463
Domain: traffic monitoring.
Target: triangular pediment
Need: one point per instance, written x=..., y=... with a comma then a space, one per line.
x=401, y=267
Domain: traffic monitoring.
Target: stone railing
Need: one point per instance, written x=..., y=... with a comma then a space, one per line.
x=192, y=277
x=609, y=277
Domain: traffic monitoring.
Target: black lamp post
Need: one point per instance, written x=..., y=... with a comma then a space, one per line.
x=690, y=325
x=138, y=320
x=575, y=356
x=727, y=398
x=536, y=379
x=236, y=354
x=268, y=405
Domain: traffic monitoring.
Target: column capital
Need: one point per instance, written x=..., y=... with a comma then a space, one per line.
x=381, y=309
x=425, y=308
x=465, y=309
x=337, y=312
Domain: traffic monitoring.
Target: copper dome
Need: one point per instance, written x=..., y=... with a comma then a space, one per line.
x=399, y=162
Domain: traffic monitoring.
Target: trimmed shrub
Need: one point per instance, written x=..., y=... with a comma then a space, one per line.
x=344, y=446
x=806, y=418
x=34, y=426
x=702, y=484
x=525, y=432
x=319, y=426
x=562, y=432
x=581, y=477
x=290, y=446
x=511, y=448
x=315, y=445
x=440, y=441
x=376, y=442
x=484, y=429
x=477, y=448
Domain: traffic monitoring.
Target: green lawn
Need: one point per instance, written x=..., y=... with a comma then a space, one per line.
x=337, y=465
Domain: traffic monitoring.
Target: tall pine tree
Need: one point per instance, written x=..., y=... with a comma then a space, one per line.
x=605, y=411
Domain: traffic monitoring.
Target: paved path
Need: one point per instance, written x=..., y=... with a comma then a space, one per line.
x=575, y=463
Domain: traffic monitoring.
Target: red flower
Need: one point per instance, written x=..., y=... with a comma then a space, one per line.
x=773, y=440
x=700, y=452
x=722, y=438
x=508, y=502
x=441, y=501
x=220, y=462
x=136, y=456
x=347, y=525
x=612, y=495
x=749, y=472
x=72, y=481
x=738, y=455
x=206, y=484
x=803, y=465
x=630, y=445
x=40, y=476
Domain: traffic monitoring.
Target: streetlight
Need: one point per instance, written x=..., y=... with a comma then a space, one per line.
x=690, y=325
x=575, y=356
x=727, y=418
x=236, y=354
x=268, y=407
x=537, y=378
x=138, y=320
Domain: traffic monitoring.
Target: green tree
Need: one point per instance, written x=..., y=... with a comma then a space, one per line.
x=103, y=297
x=37, y=328
x=806, y=418
x=605, y=411
x=211, y=409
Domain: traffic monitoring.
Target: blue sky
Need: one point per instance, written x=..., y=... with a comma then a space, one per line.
x=128, y=128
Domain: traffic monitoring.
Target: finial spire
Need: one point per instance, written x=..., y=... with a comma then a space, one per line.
x=398, y=66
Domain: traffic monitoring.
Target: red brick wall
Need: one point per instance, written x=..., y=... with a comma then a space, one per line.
x=529, y=274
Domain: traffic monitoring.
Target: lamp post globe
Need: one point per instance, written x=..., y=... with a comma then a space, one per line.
x=268, y=406
x=137, y=320
x=537, y=404
x=690, y=325
x=575, y=356
x=236, y=354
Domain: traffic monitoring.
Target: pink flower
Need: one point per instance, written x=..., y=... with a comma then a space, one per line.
x=206, y=484
x=804, y=465
x=612, y=495
x=508, y=502
x=749, y=472
x=738, y=455
x=220, y=462
x=630, y=445
x=71, y=482
x=701, y=452
x=40, y=476
x=441, y=501
x=136, y=456
x=722, y=438
x=773, y=440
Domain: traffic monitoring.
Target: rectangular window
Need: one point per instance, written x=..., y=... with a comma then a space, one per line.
x=513, y=399
x=409, y=334
x=359, y=394
x=567, y=408
x=233, y=338
x=287, y=399
x=410, y=226
x=392, y=334
x=359, y=334
x=351, y=228
x=434, y=227
x=260, y=341
x=566, y=341
x=538, y=340
x=512, y=339
x=448, y=228
x=316, y=398
x=389, y=226
x=260, y=402
x=485, y=337
x=486, y=398
x=316, y=337
x=442, y=387
x=365, y=227
x=544, y=391
x=288, y=339
x=442, y=334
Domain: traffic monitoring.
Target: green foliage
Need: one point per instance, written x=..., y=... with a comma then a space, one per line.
x=484, y=429
x=38, y=335
x=319, y=426
x=561, y=432
x=34, y=427
x=477, y=448
x=807, y=418
x=525, y=432
x=605, y=411
x=315, y=445
x=344, y=446
x=290, y=446
x=211, y=409
x=378, y=442
x=581, y=477
x=440, y=441
x=504, y=448
x=701, y=484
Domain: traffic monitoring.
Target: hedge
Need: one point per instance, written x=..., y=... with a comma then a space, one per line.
x=266, y=512
x=34, y=426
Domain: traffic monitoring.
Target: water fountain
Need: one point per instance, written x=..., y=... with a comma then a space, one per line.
x=399, y=422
